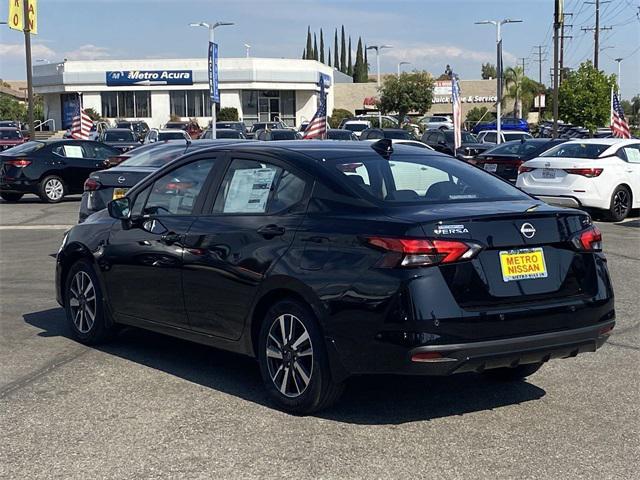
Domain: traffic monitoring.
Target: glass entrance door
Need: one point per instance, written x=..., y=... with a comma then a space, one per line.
x=268, y=108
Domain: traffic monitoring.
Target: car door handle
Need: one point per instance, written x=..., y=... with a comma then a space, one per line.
x=170, y=238
x=269, y=231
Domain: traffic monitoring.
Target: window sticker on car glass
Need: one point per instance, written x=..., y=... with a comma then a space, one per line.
x=249, y=190
x=73, y=151
x=633, y=154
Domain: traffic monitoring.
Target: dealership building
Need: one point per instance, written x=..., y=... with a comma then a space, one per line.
x=154, y=90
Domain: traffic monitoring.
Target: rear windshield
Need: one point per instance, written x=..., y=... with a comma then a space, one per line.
x=155, y=157
x=515, y=136
x=398, y=135
x=10, y=134
x=170, y=136
x=576, y=150
x=429, y=179
x=466, y=137
x=181, y=126
x=339, y=135
x=119, y=136
x=283, y=135
x=25, y=148
x=517, y=148
x=225, y=134
x=355, y=127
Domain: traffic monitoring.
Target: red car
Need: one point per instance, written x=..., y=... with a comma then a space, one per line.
x=10, y=137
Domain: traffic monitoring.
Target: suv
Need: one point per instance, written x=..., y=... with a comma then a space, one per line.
x=444, y=141
x=390, y=133
x=139, y=127
x=356, y=126
x=442, y=123
x=490, y=136
x=506, y=123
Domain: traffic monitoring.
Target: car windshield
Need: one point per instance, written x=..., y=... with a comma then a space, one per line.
x=515, y=136
x=338, y=135
x=155, y=157
x=228, y=133
x=123, y=136
x=423, y=179
x=517, y=148
x=466, y=137
x=181, y=126
x=577, y=150
x=10, y=134
x=355, y=127
x=170, y=136
x=25, y=148
x=398, y=135
x=283, y=135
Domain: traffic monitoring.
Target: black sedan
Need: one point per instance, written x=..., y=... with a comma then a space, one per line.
x=106, y=185
x=444, y=141
x=124, y=139
x=504, y=159
x=328, y=259
x=50, y=169
x=223, y=133
x=340, y=134
x=390, y=133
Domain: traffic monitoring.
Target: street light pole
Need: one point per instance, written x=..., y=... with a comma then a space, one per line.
x=377, y=48
x=247, y=48
x=211, y=29
x=400, y=64
x=498, y=24
x=27, y=49
x=618, y=61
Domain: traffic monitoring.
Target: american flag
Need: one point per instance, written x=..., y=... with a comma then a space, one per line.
x=317, y=127
x=81, y=126
x=457, y=111
x=619, y=126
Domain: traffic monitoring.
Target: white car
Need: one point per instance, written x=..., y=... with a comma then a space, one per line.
x=440, y=122
x=356, y=126
x=599, y=173
x=490, y=136
x=401, y=141
x=163, y=134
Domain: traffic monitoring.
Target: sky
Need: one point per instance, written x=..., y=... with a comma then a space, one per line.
x=428, y=33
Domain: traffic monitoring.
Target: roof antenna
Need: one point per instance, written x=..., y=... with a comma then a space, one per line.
x=384, y=147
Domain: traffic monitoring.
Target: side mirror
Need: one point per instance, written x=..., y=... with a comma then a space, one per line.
x=120, y=208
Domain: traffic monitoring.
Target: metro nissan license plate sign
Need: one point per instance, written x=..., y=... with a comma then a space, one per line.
x=522, y=264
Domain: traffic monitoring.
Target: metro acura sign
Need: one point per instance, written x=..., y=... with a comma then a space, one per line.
x=149, y=77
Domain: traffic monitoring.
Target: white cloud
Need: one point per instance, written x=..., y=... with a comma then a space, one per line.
x=448, y=53
x=88, y=52
x=16, y=50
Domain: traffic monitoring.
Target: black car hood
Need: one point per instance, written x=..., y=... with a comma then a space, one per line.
x=122, y=176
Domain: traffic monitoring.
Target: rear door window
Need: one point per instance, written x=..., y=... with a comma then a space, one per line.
x=632, y=153
x=490, y=137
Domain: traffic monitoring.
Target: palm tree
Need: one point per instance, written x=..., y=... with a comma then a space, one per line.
x=513, y=82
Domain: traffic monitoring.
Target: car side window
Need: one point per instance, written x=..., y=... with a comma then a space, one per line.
x=71, y=151
x=632, y=153
x=99, y=152
x=440, y=137
x=177, y=192
x=252, y=187
x=490, y=137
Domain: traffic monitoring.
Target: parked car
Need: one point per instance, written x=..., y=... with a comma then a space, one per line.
x=139, y=127
x=506, y=123
x=164, y=134
x=400, y=141
x=444, y=141
x=440, y=122
x=105, y=185
x=224, y=133
x=50, y=169
x=340, y=134
x=239, y=126
x=491, y=136
x=436, y=266
x=390, y=133
x=122, y=139
x=602, y=173
x=10, y=137
x=277, y=134
x=192, y=128
x=356, y=126
x=505, y=159
x=265, y=126
x=122, y=156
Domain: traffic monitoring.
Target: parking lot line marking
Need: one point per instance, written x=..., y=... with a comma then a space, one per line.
x=35, y=227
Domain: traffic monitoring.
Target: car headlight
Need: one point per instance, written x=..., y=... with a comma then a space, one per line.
x=64, y=241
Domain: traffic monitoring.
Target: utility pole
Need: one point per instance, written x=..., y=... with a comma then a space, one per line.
x=596, y=31
x=539, y=60
x=562, y=37
x=27, y=49
x=618, y=60
x=557, y=21
x=523, y=60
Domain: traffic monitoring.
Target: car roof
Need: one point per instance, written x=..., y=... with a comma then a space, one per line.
x=170, y=130
x=505, y=131
x=604, y=141
x=117, y=130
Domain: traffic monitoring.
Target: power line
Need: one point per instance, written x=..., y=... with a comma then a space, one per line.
x=596, y=30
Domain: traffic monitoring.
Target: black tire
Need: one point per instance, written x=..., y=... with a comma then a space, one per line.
x=77, y=296
x=321, y=391
x=52, y=189
x=513, y=374
x=620, y=204
x=11, y=197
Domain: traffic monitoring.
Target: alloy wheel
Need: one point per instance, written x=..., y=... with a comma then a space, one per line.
x=53, y=189
x=621, y=203
x=289, y=355
x=82, y=301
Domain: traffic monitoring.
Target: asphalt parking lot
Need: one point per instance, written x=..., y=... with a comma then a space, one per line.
x=148, y=406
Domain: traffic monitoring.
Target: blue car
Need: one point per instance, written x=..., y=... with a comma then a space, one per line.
x=506, y=123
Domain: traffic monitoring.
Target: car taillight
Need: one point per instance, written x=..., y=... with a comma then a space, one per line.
x=589, y=239
x=412, y=252
x=585, y=172
x=20, y=163
x=91, y=185
x=523, y=169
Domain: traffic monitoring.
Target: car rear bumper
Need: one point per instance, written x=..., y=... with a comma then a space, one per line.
x=18, y=185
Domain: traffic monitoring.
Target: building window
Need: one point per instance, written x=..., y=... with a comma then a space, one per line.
x=269, y=105
x=126, y=104
x=190, y=103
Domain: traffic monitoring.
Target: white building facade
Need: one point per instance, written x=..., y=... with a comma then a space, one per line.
x=156, y=90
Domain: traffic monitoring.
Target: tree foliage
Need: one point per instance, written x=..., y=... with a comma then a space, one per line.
x=489, y=71
x=337, y=116
x=584, y=97
x=477, y=114
x=410, y=92
x=11, y=109
x=228, y=114
x=321, y=46
x=349, y=61
x=360, y=69
x=309, y=47
x=343, y=52
x=336, y=61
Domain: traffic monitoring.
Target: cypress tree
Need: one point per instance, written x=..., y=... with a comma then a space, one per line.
x=304, y=53
x=309, y=45
x=321, y=46
x=343, y=53
x=350, y=63
x=358, y=74
x=315, y=47
x=329, y=56
x=365, y=70
x=336, y=63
